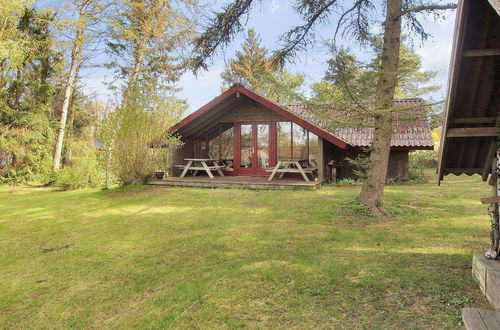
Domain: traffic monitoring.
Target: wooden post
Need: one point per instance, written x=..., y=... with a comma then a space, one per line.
x=321, y=160
x=495, y=211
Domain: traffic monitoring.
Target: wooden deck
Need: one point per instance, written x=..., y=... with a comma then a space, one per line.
x=237, y=182
x=487, y=273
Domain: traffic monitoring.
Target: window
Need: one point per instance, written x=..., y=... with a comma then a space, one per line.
x=296, y=142
x=313, y=149
x=221, y=146
x=284, y=137
x=299, y=138
x=226, y=151
x=246, y=146
x=263, y=146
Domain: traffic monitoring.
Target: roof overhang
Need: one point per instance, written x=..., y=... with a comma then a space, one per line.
x=224, y=100
x=470, y=129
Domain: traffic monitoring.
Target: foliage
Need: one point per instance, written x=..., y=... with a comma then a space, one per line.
x=424, y=159
x=350, y=85
x=253, y=67
x=84, y=170
x=14, y=47
x=136, y=140
x=29, y=85
x=147, y=39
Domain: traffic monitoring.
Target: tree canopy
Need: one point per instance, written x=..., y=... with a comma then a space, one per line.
x=253, y=67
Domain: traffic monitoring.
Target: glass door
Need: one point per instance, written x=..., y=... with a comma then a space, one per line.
x=255, y=148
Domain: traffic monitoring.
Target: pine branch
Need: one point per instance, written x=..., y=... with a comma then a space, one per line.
x=220, y=32
x=427, y=8
x=297, y=36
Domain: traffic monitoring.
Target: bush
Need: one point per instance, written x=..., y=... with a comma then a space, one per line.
x=84, y=170
x=136, y=141
x=424, y=159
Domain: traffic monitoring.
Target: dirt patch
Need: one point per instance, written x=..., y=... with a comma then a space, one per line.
x=252, y=204
x=57, y=248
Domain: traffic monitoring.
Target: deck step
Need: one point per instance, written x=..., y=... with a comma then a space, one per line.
x=486, y=272
x=480, y=319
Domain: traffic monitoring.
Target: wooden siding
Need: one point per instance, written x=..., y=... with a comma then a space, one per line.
x=251, y=112
x=399, y=165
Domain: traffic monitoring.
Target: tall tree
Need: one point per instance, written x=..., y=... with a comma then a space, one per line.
x=80, y=24
x=147, y=39
x=355, y=19
x=253, y=67
x=344, y=69
x=30, y=80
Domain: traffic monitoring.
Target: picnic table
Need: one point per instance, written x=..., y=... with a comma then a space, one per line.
x=202, y=164
x=291, y=166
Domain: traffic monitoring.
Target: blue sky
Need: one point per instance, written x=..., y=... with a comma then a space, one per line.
x=271, y=19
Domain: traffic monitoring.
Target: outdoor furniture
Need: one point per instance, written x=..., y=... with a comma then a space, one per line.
x=291, y=166
x=202, y=164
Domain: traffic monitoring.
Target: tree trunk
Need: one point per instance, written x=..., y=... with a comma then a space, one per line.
x=139, y=54
x=68, y=90
x=373, y=189
x=72, y=110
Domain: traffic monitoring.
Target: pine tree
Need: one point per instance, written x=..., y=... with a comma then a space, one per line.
x=253, y=67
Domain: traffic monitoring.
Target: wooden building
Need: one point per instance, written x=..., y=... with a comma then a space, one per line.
x=253, y=133
x=469, y=141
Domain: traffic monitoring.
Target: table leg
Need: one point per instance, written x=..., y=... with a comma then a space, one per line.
x=194, y=173
x=220, y=173
x=274, y=171
x=205, y=166
x=301, y=170
x=186, y=168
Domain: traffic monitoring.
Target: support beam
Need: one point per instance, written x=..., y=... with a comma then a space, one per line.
x=472, y=132
x=459, y=171
x=476, y=120
x=481, y=52
x=489, y=160
x=321, y=160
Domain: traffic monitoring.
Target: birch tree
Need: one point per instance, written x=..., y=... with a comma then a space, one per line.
x=81, y=16
x=352, y=18
x=76, y=57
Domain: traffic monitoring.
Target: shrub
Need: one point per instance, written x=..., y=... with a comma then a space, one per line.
x=424, y=159
x=136, y=142
x=83, y=170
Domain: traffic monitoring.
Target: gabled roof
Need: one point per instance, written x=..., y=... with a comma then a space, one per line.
x=469, y=138
x=236, y=90
x=411, y=133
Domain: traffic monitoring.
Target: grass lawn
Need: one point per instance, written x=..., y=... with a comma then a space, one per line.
x=151, y=257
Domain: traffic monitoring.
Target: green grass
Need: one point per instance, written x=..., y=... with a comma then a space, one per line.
x=150, y=257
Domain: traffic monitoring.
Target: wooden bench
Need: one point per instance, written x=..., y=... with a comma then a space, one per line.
x=288, y=167
x=202, y=164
